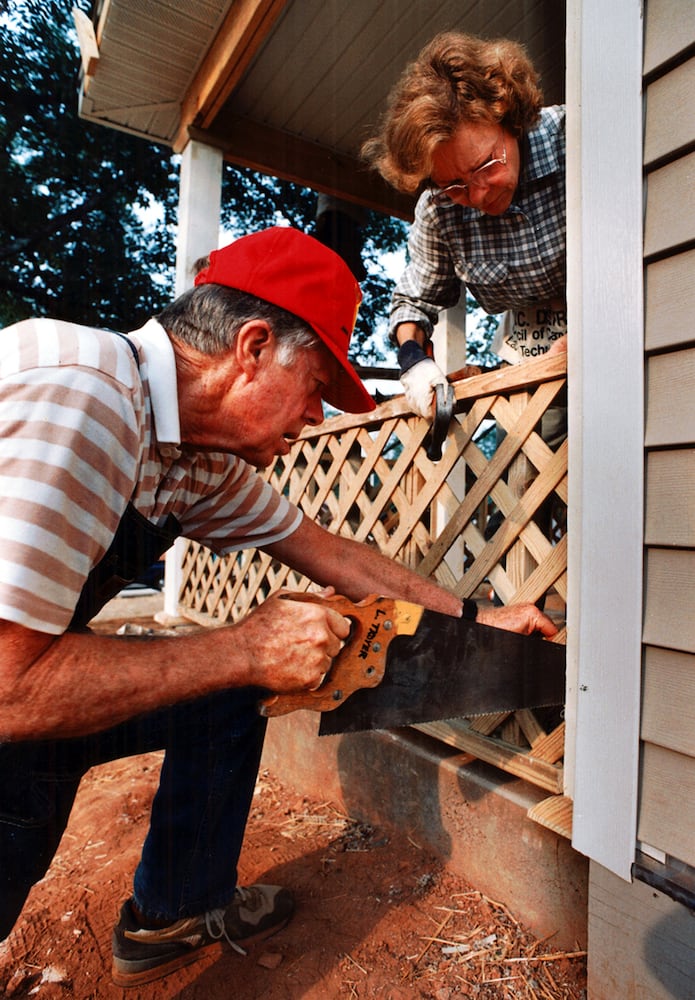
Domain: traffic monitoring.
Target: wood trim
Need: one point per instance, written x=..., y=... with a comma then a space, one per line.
x=604, y=232
x=248, y=143
x=245, y=28
x=467, y=391
x=504, y=756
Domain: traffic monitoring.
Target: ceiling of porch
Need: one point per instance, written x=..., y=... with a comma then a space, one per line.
x=288, y=87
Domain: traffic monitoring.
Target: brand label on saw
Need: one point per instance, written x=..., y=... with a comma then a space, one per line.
x=372, y=633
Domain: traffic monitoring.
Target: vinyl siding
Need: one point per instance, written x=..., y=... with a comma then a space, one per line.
x=667, y=778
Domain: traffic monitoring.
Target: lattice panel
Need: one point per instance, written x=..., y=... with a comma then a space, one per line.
x=483, y=519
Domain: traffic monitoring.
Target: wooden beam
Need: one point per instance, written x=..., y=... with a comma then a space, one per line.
x=243, y=31
x=89, y=50
x=503, y=755
x=248, y=143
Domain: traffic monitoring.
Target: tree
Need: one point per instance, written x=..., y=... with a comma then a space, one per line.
x=480, y=333
x=73, y=243
x=77, y=241
x=251, y=199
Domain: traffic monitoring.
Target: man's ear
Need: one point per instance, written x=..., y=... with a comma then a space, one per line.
x=254, y=346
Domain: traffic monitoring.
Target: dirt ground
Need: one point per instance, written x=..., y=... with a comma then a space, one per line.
x=377, y=916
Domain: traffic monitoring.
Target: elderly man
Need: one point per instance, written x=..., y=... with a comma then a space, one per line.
x=112, y=446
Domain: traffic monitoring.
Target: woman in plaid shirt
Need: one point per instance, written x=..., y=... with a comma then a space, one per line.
x=466, y=126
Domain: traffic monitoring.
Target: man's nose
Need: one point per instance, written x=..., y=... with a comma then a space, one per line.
x=313, y=414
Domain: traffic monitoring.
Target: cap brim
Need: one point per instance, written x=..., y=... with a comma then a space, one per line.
x=348, y=392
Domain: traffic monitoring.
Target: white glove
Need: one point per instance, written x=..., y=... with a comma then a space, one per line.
x=418, y=383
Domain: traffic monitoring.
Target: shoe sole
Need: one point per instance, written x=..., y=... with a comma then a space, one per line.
x=120, y=975
x=124, y=978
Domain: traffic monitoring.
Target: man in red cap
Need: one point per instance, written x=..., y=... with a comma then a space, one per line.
x=111, y=447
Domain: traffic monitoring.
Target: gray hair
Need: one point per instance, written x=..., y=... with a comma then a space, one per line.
x=208, y=318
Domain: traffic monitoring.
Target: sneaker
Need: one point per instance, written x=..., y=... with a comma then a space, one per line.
x=141, y=954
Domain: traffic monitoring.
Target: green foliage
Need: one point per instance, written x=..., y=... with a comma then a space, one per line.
x=88, y=214
x=480, y=333
x=87, y=217
x=251, y=200
x=73, y=243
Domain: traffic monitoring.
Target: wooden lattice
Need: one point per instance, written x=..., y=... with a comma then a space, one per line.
x=490, y=516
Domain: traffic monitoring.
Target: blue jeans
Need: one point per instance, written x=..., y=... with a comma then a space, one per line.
x=189, y=858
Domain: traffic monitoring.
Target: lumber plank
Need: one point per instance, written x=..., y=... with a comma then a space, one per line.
x=507, y=758
x=555, y=813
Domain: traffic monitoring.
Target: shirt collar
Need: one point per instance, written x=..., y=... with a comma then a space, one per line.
x=161, y=376
x=544, y=146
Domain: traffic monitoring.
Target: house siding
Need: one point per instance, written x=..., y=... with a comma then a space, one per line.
x=667, y=777
x=641, y=933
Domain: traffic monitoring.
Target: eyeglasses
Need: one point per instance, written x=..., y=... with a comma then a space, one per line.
x=481, y=175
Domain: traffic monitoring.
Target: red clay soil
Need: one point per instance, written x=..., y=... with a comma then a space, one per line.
x=377, y=916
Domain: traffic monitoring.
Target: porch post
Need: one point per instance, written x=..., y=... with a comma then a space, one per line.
x=606, y=425
x=200, y=193
x=449, y=342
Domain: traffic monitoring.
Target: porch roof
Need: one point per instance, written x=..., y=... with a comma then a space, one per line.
x=287, y=87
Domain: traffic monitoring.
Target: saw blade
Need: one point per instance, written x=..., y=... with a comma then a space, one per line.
x=454, y=668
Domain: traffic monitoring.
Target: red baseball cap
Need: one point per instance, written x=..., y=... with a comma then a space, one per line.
x=296, y=272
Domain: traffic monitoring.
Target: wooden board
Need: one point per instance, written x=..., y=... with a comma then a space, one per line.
x=505, y=756
x=368, y=477
x=555, y=813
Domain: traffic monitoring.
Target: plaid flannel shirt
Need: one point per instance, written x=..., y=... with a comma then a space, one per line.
x=505, y=261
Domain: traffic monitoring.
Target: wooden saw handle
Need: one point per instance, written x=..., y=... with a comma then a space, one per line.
x=375, y=622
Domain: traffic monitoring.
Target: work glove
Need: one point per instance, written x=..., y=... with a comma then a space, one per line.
x=419, y=376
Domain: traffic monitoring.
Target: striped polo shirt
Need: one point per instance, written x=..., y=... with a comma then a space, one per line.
x=83, y=431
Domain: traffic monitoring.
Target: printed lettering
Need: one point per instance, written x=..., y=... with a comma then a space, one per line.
x=535, y=351
x=368, y=640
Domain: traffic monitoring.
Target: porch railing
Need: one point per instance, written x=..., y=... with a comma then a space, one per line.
x=488, y=519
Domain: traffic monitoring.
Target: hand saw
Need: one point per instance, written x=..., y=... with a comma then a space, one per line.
x=403, y=664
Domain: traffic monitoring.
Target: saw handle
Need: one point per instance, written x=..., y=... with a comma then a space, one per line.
x=375, y=622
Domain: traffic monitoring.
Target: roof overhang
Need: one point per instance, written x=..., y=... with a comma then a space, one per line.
x=289, y=87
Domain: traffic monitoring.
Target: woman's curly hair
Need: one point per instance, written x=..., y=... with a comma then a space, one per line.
x=456, y=78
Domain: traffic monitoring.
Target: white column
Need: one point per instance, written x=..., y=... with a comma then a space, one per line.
x=606, y=425
x=449, y=342
x=200, y=193
x=449, y=337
